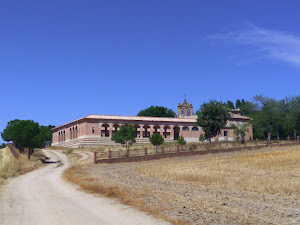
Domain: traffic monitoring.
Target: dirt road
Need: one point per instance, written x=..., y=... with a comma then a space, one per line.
x=42, y=197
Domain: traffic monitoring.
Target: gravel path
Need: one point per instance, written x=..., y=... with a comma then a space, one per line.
x=42, y=197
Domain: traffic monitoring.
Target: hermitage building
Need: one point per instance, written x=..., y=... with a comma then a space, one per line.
x=97, y=130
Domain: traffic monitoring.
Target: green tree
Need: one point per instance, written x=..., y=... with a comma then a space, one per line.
x=157, y=140
x=212, y=117
x=229, y=104
x=267, y=121
x=7, y=132
x=3, y=145
x=240, y=131
x=291, y=122
x=272, y=118
x=248, y=107
x=202, y=138
x=181, y=141
x=157, y=111
x=24, y=135
x=125, y=136
x=27, y=134
x=45, y=135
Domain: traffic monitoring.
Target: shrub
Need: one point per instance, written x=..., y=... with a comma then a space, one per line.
x=69, y=151
x=202, y=138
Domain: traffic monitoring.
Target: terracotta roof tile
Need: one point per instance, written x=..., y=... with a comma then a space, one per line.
x=142, y=118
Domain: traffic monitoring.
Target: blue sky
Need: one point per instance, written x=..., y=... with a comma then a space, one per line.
x=62, y=60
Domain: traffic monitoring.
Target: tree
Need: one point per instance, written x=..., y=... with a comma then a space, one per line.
x=157, y=140
x=248, y=108
x=157, y=111
x=240, y=131
x=24, y=135
x=267, y=121
x=212, y=117
x=27, y=134
x=202, y=138
x=181, y=141
x=7, y=132
x=3, y=145
x=45, y=135
x=125, y=136
x=272, y=118
x=291, y=123
x=229, y=104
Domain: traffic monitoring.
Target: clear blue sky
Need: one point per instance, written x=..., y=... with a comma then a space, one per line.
x=62, y=60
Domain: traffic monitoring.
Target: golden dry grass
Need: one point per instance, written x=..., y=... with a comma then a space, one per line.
x=266, y=171
x=1, y=156
x=10, y=167
x=246, y=187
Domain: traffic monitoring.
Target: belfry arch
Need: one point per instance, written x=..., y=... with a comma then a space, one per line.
x=185, y=109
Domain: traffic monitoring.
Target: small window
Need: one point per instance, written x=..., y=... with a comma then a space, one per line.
x=225, y=133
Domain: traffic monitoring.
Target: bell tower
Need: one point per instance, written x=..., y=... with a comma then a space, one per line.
x=185, y=109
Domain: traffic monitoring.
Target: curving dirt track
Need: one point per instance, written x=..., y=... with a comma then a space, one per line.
x=42, y=197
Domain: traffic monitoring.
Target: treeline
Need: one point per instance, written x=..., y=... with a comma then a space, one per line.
x=27, y=134
x=157, y=111
x=271, y=118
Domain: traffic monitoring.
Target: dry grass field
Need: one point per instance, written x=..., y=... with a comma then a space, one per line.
x=10, y=167
x=248, y=187
x=274, y=172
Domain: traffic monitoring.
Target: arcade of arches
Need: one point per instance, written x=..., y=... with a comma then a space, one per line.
x=170, y=132
x=97, y=130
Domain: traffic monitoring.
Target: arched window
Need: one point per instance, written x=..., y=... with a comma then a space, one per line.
x=185, y=128
x=195, y=129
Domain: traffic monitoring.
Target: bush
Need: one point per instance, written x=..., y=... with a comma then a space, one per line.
x=69, y=151
x=156, y=140
x=192, y=147
x=181, y=141
x=202, y=138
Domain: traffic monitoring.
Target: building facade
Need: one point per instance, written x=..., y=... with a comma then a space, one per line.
x=97, y=130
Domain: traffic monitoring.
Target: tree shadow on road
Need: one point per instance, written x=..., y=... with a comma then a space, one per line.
x=46, y=160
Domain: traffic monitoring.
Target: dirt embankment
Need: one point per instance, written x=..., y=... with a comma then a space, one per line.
x=160, y=188
x=10, y=167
